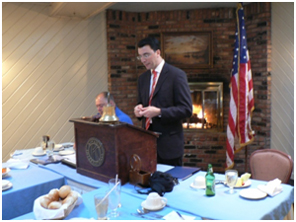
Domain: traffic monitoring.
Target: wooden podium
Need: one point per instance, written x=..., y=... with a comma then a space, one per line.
x=104, y=150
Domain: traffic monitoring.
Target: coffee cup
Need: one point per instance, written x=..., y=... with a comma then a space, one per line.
x=154, y=200
x=38, y=150
x=199, y=182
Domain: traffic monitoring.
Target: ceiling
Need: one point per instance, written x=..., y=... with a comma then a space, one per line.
x=86, y=10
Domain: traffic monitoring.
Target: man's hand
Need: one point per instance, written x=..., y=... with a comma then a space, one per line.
x=150, y=111
x=137, y=110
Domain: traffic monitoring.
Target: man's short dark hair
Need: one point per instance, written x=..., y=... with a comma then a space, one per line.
x=151, y=41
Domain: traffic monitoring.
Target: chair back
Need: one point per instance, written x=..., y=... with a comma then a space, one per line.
x=269, y=164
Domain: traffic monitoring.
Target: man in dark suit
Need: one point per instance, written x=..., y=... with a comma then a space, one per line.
x=164, y=109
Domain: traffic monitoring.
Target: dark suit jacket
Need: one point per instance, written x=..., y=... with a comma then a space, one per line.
x=172, y=95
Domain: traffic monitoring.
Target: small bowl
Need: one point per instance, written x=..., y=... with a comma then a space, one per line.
x=5, y=171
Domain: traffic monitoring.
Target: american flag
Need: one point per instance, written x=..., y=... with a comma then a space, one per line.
x=239, y=131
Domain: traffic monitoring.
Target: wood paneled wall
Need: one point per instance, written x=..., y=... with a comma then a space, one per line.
x=52, y=69
x=282, y=78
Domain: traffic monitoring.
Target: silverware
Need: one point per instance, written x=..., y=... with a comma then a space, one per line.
x=147, y=216
x=180, y=215
x=143, y=211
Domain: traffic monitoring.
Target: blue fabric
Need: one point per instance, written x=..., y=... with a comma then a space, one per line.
x=129, y=204
x=122, y=116
x=187, y=199
x=28, y=185
x=71, y=174
x=35, y=181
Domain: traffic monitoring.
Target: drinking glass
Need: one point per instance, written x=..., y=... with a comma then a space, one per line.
x=101, y=205
x=231, y=178
x=114, y=197
x=51, y=145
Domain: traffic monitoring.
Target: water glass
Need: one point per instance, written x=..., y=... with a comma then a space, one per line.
x=114, y=197
x=101, y=205
x=231, y=178
x=51, y=146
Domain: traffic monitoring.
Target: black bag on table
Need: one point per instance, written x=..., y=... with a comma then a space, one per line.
x=161, y=183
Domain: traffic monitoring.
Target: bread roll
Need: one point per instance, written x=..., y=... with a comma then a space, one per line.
x=64, y=191
x=54, y=195
x=68, y=200
x=71, y=198
x=54, y=205
x=45, y=201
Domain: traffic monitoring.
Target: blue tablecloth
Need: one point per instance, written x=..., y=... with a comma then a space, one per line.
x=28, y=184
x=224, y=206
x=185, y=199
x=129, y=205
x=62, y=169
x=71, y=174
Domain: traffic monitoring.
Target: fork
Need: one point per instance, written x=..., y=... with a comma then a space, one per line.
x=151, y=216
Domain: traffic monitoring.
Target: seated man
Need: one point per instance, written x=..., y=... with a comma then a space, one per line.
x=102, y=100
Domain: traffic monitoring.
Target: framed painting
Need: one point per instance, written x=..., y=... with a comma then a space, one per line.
x=188, y=49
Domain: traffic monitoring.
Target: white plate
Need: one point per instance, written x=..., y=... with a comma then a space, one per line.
x=6, y=173
x=6, y=184
x=153, y=208
x=58, y=147
x=39, y=154
x=252, y=193
x=197, y=187
x=247, y=184
x=66, y=152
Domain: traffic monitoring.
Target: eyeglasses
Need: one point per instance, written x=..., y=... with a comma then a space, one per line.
x=145, y=55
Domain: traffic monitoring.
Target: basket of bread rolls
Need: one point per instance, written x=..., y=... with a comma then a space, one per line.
x=57, y=204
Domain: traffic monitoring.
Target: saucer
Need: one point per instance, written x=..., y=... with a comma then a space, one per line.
x=66, y=152
x=6, y=184
x=197, y=187
x=153, y=208
x=7, y=170
x=58, y=147
x=39, y=154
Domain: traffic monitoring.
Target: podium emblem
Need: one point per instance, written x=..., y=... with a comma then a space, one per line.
x=95, y=152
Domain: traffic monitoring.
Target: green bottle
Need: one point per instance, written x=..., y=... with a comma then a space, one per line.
x=210, y=181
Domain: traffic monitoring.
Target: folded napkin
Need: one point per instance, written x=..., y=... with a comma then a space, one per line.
x=16, y=164
x=272, y=188
x=173, y=215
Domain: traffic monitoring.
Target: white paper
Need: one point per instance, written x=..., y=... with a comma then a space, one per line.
x=174, y=216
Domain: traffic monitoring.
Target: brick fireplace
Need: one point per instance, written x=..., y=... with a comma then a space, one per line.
x=125, y=29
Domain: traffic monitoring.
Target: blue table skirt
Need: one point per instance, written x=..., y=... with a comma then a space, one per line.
x=28, y=184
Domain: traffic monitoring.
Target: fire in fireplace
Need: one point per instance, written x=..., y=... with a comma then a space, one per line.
x=207, y=99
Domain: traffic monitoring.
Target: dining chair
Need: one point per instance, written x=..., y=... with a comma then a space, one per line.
x=269, y=164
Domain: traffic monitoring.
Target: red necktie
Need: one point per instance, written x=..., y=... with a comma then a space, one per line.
x=150, y=97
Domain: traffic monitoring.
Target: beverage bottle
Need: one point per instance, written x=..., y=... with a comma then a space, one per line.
x=210, y=181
